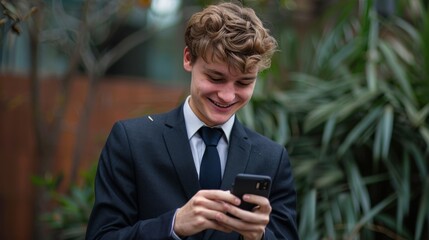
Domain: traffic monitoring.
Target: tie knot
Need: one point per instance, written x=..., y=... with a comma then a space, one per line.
x=210, y=136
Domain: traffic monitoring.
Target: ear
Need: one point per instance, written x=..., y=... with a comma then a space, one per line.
x=187, y=57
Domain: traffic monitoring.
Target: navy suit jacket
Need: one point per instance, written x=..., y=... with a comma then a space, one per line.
x=146, y=171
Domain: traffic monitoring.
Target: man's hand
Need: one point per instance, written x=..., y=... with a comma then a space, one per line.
x=208, y=210
x=203, y=211
x=251, y=225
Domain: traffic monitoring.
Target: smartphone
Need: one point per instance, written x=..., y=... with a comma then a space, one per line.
x=251, y=184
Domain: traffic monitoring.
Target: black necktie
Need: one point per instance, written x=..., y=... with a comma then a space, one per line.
x=210, y=171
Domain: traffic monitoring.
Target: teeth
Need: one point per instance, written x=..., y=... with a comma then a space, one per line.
x=222, y=106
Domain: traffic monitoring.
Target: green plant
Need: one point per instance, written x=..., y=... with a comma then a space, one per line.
x=71, y=209
x=355, y=122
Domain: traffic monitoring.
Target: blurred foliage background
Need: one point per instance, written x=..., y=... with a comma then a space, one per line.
x=347, y=94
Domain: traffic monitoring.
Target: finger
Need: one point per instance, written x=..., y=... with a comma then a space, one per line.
x=238, y=225
x=220, y=195
x=256, y=216
x=238, y=213
x=262, y=203
x=212, y=222
x=211, y=199
x=247, y=229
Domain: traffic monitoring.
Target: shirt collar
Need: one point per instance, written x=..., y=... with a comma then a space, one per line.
x=193, y=123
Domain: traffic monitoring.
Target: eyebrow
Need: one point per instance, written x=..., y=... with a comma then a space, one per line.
x=245, y=78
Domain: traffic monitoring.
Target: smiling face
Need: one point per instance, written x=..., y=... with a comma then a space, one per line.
x=226, y=46
x=217, y=91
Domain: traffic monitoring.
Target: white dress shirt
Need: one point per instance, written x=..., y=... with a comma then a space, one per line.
x=193, y=124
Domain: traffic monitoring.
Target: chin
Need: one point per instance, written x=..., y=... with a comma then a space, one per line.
x=220, y=121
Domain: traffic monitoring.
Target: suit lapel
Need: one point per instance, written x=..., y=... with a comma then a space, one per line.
x=177, y=143
x=238, y=155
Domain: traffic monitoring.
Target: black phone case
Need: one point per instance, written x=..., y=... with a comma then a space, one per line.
x=251, y=184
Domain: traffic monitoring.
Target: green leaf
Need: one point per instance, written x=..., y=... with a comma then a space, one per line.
x=423, y=213
x=75, y=232
x=358, y=130
x=357, y=186
x=424, y=131
x=282, y=134
x=329, y=178
x=308, y=214
x=418, y=157
x=403, y=190
x=368, y=216
x=246, y=115
x=329, y=224
x=328, y=131
x=387, y=128
x=349, y=211
x=398, y=70
x=341, y=108
x=371, y=64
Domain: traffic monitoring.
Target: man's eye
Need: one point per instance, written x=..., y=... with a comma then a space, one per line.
x=244, y=83
x=215, y=79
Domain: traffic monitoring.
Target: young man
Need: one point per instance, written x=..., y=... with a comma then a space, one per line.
x=148, y=180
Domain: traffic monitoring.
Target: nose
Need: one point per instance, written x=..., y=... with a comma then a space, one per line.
x=226, y=93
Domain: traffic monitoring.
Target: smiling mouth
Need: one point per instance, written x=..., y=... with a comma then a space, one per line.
x=220, y=105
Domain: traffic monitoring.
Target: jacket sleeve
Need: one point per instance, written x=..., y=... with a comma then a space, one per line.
x=283, y=202
x=115, y=211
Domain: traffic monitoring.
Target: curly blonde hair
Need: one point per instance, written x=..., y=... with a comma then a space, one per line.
x=232, y=34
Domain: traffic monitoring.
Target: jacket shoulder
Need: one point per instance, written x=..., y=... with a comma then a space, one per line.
x=151, y=121
x=261, y=140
